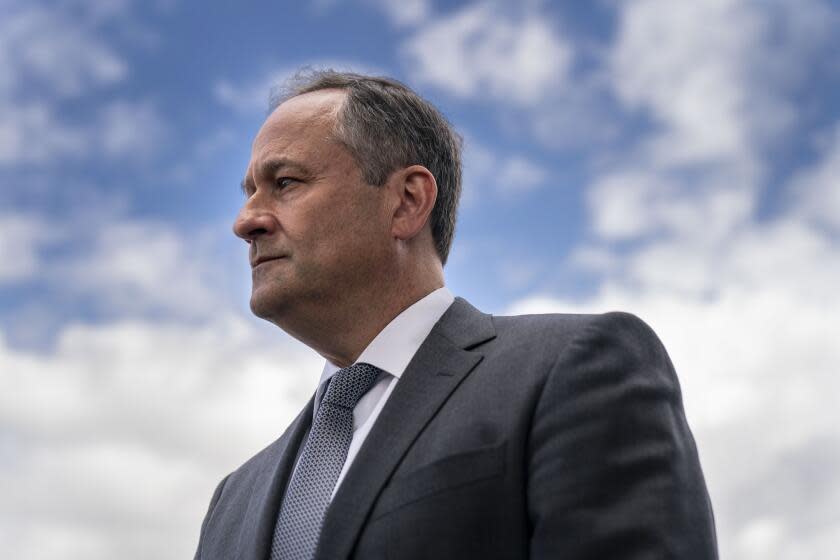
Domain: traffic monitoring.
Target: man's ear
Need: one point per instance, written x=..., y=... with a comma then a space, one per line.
x=414, y=192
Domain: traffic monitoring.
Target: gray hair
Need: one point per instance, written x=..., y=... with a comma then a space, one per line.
x=386, y=126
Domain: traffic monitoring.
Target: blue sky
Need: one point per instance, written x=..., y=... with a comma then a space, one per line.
x=675, y=160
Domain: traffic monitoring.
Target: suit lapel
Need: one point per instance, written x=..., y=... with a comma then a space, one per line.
x=261, y=515
x=438, y=367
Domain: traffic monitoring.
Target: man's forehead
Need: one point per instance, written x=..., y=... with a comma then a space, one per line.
x=322, y=105
x=306, y=113
x=294, y=124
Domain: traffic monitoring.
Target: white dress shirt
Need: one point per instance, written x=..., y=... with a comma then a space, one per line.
x=391, y=351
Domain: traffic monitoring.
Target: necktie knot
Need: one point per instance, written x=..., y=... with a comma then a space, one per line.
x=349, y=384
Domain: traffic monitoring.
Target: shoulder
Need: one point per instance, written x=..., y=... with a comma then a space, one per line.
x=615, y=330
x=586, y=350
x=608, y=435
x=236, y=488
x=611, y=364
x=257, y=462
x=572, y=323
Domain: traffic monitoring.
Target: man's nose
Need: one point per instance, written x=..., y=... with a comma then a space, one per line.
x=253, y=221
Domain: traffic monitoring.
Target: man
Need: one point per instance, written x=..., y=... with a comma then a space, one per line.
x=436, y=431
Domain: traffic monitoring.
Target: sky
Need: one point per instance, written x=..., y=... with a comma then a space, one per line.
x=676, y=160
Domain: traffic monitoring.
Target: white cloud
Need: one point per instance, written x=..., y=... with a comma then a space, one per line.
x=507, y=176
x=405, y=12
x=126, y=420
x=141, y=265
x=594, y=259
x=636, y=202
x=689, y=76
x=580, y=116
x=21, y=237
x=202, y=154
x=56, y=51
x=35, y=133
x=816, y=191
x=49, y=58
x=624, y=204
x=518, y=174
x=123, y=267
x=136, y=267
x=481, y=52
x=701, y=101
x=121, y=419
x=126, y=129
x=248, y=98
x=515, y=56
x=400, y=13
x=717, y=89
x=32, y=133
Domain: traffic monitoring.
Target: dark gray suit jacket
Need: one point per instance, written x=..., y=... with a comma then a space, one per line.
x=543, y=436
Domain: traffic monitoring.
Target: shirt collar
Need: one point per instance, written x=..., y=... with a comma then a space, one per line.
x=395, y=345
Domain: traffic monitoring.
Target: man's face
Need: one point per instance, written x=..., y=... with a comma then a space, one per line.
x=318, y=233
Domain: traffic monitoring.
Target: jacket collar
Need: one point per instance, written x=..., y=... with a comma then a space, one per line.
x=443, y=361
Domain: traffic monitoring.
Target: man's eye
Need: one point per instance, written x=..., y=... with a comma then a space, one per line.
x=284, y=182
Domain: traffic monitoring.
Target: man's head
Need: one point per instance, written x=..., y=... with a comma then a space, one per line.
x=386, y=126
x=353, y=182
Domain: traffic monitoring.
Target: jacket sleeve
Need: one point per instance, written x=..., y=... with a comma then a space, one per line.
x=613, y=470
x=213, y=501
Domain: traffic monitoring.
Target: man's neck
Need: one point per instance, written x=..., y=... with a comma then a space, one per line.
x=358, y=338
x=341, y=333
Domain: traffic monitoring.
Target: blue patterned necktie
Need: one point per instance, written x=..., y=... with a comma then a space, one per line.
x=308, y=495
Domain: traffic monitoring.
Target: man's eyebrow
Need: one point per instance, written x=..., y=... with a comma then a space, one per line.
x=270, y=167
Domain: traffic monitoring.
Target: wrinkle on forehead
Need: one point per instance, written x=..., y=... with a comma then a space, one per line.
x=310, y=116
x=317, y=108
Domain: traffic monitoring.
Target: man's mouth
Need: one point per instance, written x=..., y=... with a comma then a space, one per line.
x=259, y=260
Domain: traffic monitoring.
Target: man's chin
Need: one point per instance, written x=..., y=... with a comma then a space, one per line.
x=269, y=304
x=263, y=306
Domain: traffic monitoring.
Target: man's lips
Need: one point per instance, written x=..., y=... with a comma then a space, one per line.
x=259, y=260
